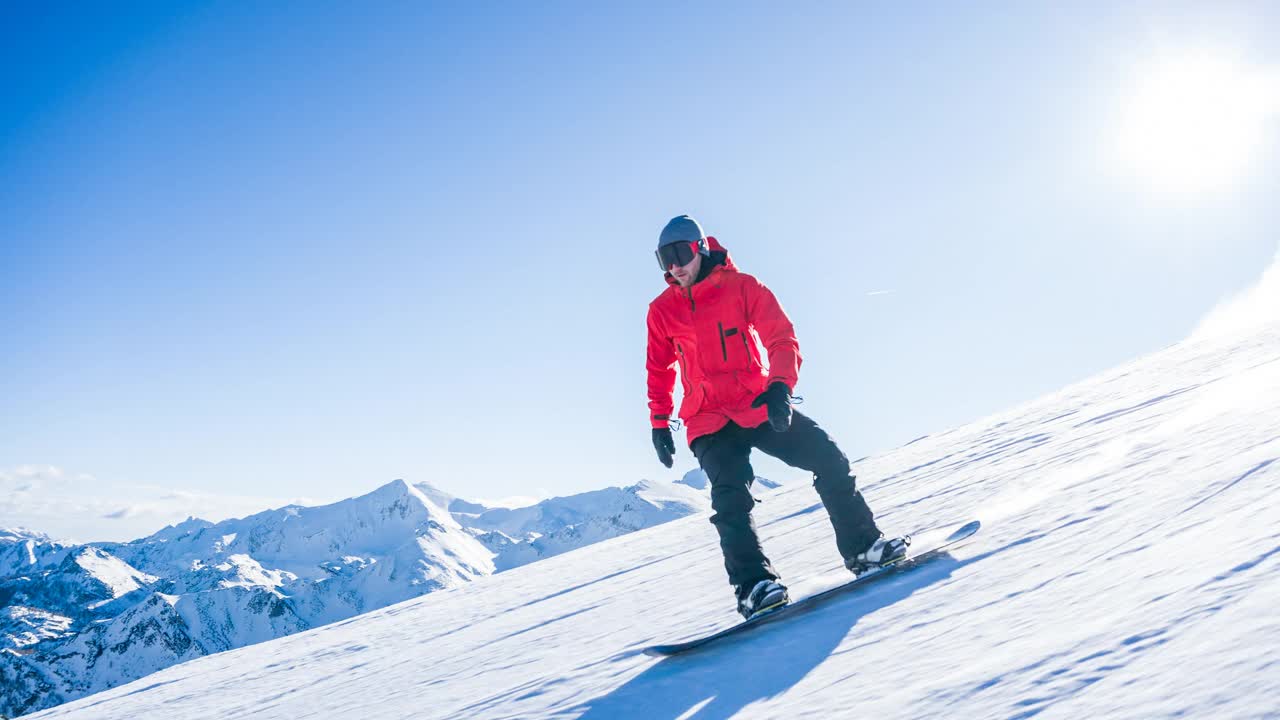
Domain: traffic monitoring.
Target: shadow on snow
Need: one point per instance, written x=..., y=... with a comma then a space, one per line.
x=720, y=680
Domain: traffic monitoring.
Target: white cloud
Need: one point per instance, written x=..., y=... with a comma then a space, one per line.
x=83, y=508
x=514, y=501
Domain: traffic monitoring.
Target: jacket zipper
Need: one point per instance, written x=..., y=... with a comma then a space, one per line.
x=724, y=353
x=692, y=305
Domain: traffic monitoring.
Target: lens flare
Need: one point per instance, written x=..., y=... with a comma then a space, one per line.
x=1196, y=122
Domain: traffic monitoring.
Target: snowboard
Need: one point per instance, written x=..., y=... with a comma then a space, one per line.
x=927, y=545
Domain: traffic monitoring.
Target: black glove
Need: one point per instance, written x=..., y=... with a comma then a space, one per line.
x=778, y=398
x=664, y=444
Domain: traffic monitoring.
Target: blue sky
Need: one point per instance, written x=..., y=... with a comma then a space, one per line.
x=302, y=250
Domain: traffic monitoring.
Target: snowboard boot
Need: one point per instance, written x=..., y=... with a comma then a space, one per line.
x=756, y=598
x=881, y=552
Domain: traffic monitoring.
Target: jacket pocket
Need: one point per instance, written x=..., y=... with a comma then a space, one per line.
x=730, y=339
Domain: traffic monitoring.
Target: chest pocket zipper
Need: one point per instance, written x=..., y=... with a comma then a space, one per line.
x=724, y=351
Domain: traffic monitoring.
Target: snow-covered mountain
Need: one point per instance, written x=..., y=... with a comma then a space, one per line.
x=518, y=536
x=1128, y=566
x=698, y=480
x=79, y=619
x=521, y=535
x=23, y=551
x=332, y=561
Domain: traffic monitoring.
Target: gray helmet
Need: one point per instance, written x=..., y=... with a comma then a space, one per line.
x=684, y=229
x=680, y=239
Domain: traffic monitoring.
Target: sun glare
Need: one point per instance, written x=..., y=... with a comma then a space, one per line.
x=1196, y=122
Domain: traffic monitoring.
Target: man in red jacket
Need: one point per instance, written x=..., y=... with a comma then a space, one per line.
x=712, y=322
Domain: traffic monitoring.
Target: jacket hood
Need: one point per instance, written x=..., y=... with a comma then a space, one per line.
x=719, y=258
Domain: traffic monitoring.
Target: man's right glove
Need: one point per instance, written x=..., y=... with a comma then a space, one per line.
x=664, y=444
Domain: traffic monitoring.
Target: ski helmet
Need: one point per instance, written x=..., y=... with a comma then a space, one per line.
x=679, y=239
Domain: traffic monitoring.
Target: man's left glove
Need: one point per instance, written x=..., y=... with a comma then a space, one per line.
x=778, y=399
x=664, y=444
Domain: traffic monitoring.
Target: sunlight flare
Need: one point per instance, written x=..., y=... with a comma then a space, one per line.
x=1196, y=122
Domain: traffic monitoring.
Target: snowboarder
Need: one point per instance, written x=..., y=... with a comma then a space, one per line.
x=711, y=322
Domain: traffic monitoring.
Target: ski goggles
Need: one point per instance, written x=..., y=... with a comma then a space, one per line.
x=676, y=253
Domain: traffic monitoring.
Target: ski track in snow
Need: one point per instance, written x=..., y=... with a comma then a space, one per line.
x=1127, y=567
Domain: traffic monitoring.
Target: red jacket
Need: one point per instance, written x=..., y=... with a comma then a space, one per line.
x=714, y=331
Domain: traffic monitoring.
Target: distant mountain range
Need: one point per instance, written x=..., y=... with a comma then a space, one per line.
x=77, y=619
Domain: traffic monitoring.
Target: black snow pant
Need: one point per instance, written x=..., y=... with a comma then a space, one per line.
x=725, y=456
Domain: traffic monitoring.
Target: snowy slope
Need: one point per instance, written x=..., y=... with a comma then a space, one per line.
x=1129, y=567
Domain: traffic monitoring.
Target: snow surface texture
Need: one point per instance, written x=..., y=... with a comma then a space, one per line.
x=1128, y=566
x=80, y=619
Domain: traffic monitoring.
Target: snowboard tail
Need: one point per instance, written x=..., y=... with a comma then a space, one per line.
x=932, y=544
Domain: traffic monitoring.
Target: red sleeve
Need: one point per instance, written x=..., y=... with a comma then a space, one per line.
x=776, y=332
x=661, y=367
